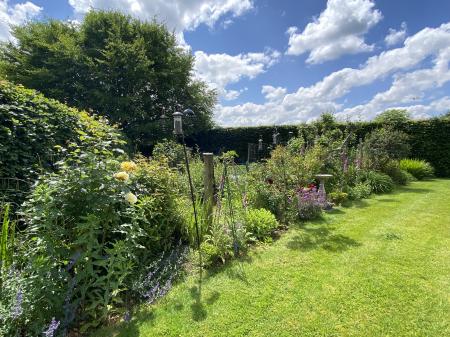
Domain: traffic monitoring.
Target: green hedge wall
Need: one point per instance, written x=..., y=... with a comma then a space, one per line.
x=36, y=132
x=430, y=139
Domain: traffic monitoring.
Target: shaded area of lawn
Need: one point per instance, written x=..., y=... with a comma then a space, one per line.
x=380, y=267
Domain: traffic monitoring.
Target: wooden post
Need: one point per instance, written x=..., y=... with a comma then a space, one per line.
x=208, y=183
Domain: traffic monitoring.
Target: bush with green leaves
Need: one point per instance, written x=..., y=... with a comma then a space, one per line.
x=90, y=228
x=361, y=190
x=383, y=145
x=171, y=150
x=260, y=223
x=420, y=169
x=399, y=176
x=337, y=198
x=378, y=182
x=36, y=132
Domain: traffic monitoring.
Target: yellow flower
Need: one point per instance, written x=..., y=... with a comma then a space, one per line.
x=131, y=198
x=123, y=176
x=128, y=166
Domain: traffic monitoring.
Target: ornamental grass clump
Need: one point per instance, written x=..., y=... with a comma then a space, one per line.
x=420, y=169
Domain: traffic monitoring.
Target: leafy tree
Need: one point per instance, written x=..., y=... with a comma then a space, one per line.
x=129, y=71
x=393, y=116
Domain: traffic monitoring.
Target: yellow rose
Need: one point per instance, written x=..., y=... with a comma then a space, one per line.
x=128, y=166
x=131, y=198
x=123, y=176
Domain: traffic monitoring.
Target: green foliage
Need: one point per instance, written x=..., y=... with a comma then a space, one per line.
x=399, y=176
x=36, y=132
x=361, y=190
x=171, y=150
x=383, y=145
x=130, y=71
x=6, y=241
x=260, y=222
x=378, y=182
x=429, y=139
x=338, y=198
x=94, y=225
x=420, y=169
x=393, y=116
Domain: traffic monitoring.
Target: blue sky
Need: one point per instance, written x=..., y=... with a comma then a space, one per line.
x=275, y=62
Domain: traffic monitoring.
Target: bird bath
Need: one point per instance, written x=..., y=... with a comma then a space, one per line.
x=322, y=178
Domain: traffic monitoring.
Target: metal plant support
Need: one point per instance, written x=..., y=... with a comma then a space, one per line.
x=178, y=131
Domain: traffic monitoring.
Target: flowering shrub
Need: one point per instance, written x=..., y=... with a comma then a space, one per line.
x=310, y=202
x=90, y=228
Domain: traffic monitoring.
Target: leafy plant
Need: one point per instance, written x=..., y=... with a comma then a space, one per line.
x=260, y=223
x=420, y=169
x=361, y=190
x=399, y=176
x=36, y=132
x=6, y=242
x=378, y=182
x=338, y=198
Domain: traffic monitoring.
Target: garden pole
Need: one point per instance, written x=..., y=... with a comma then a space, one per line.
x=191, y=187
x=208, y=183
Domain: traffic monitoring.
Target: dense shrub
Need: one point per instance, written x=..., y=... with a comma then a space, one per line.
x=383, y=145
x=338, y=198
x=36, y=132
x=171, y=150
x=399, y=176
x=378, y=182
x=420, y=169
x=361, y=190
x=260, y=223
x=91, y=228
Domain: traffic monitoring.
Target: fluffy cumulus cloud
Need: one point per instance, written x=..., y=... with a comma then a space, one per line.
x=405, y=64
x=339, y=30
x=396, y=36
x=273, y=94
x=177, y=14
x=220, y=70
x=15, y=15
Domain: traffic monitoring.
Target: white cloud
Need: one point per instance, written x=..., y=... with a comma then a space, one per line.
x=220, y=70
x=396, y=36
x=273, y=94
x=307, y=103
x=179, y=15
x=15, y=15
x=339, y=30
x=407, y=88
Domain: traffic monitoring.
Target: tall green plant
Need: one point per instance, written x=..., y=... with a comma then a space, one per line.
x=6, y=240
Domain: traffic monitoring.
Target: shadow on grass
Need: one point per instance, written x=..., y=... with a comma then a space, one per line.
x=319, y=234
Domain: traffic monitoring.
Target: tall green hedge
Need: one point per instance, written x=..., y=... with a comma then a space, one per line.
x=36, y=132
x=429, y=139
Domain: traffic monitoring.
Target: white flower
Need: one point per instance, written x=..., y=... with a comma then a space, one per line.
x=131, y=198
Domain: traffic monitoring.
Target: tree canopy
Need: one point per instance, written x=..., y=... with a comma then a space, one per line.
x=393, y=116
x=131, y=72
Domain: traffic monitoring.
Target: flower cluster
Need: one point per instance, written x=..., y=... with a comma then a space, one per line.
x=310, y=202
x=127, y=166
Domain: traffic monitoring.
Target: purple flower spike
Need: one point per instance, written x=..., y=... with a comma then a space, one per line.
x=52, y=328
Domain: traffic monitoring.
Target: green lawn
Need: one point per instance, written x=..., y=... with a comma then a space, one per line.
x=379, y=268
